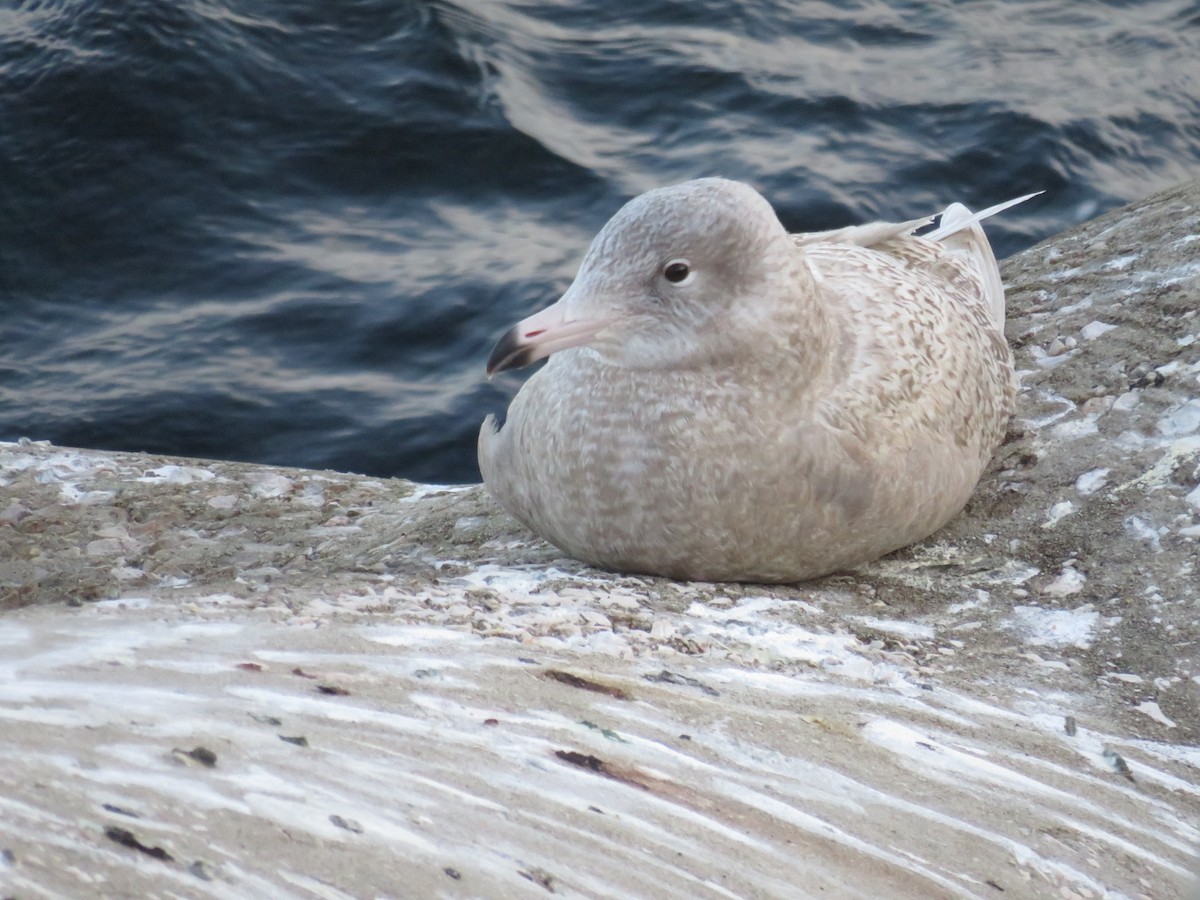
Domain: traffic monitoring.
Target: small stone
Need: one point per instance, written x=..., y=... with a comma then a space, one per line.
x=1058, y=511
x=201, y=870
x=350, y=825
x=1118, y=763
x=1144, y=375
x=662, y=630
x=201, y=755
x=596, y=619
x=1127, y=401
x=1094, y=329
x=1070, y=581
x=1090, y=482
x=270, y=484
x=621, y=601
x=1098, y=405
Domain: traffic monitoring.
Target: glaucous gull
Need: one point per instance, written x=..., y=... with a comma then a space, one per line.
x=725, y=401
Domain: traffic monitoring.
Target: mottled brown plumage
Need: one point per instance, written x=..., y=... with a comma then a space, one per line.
x=791, y=406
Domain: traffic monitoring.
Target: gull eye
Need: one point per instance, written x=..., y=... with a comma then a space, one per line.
x=677, y=271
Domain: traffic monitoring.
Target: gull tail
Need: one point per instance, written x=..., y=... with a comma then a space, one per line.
x=955, y=217
x=958, y=229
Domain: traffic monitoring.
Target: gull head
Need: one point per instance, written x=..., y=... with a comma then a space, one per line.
x=679, y=278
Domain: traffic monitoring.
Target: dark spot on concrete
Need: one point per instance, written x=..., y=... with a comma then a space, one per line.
x=127, y=838
x=666, y=677
x=585, y=684
x=348, y=824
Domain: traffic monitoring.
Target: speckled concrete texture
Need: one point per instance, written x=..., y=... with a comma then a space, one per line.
x=225, y=680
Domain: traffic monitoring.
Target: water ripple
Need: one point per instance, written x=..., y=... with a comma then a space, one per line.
x=289, y=232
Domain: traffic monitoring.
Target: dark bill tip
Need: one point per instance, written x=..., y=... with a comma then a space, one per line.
x=510, y=353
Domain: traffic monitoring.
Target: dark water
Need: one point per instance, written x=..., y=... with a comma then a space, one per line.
x=290, y=231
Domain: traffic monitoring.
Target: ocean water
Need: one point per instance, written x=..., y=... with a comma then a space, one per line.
x=289, y=231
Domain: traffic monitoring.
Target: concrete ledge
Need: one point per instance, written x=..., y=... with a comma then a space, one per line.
x=228, y=680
